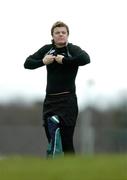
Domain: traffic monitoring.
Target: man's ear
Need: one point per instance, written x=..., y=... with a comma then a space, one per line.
x=52, y=41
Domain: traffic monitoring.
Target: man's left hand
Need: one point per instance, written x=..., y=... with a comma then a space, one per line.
x=59, y=58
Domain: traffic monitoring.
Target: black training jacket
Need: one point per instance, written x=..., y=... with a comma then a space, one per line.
x=60, y=77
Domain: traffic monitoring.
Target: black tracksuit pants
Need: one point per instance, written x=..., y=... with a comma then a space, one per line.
x=66, y=108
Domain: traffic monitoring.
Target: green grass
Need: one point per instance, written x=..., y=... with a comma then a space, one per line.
x=96, y=167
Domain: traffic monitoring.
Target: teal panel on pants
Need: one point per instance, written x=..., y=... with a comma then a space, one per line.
x=55, y=145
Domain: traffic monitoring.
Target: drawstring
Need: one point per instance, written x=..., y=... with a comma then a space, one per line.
x=54, y=52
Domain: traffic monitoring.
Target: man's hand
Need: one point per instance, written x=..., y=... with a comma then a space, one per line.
x=48, y=59
x=59, y=58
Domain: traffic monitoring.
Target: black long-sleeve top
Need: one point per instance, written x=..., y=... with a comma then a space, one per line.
x=60, y=77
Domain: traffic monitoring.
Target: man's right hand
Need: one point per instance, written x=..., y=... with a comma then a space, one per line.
x=48, y=59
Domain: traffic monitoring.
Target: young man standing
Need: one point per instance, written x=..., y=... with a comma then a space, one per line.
x=60, y=109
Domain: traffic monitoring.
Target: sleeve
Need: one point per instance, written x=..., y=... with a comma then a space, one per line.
x=78, y=56
x=35, y=61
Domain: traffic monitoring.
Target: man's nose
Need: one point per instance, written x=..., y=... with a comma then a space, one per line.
x=61, y=34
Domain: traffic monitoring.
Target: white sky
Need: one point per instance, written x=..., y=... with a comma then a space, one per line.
x=97, y=26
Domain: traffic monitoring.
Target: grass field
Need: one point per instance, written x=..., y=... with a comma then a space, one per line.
x=96, y=167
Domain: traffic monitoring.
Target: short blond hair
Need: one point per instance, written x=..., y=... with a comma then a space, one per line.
x=59, y=24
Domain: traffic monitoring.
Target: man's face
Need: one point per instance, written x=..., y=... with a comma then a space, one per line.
x=60, y=36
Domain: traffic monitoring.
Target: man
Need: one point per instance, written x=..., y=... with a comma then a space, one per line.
x=60, y=108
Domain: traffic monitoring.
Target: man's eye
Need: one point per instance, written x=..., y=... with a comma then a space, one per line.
x=60, y=32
